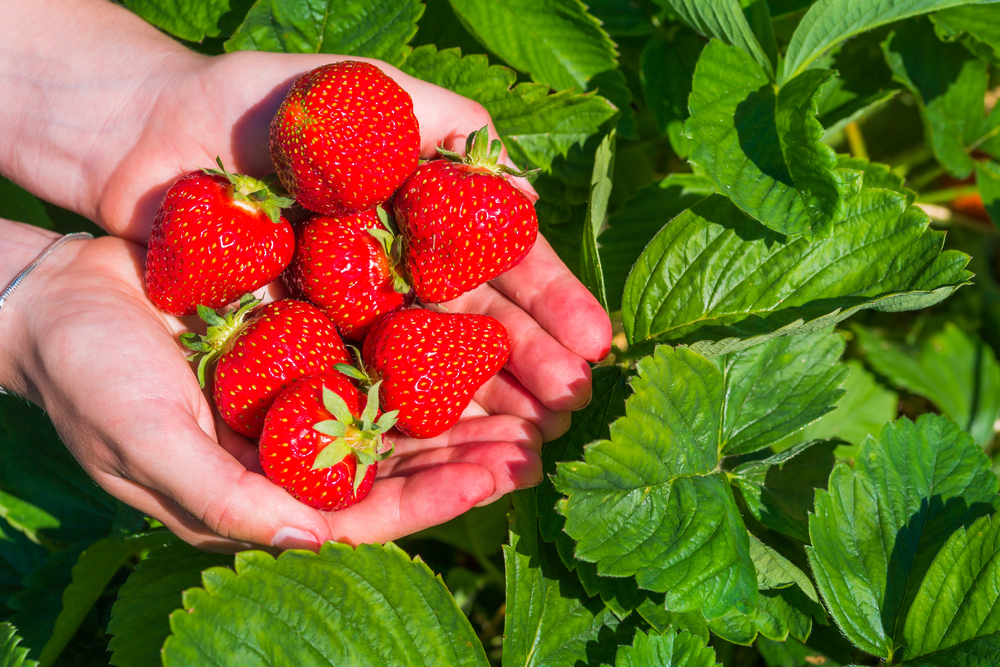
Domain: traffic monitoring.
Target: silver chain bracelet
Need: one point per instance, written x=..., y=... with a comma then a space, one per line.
x=19, y=278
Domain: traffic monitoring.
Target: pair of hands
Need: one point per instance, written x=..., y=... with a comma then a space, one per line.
x=108, y=368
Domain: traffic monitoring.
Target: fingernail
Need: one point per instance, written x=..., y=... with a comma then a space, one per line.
x=293, y=538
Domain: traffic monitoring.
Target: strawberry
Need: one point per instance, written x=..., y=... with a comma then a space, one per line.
x=260, y=355
x=344, y=138
x=347, y=267
x=216, y=236
x=319, y=446
x=462, y=221
x=430, y=364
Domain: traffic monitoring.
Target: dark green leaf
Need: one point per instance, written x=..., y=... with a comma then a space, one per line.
x=956, y=371
x=980, y=23
x=663, y=621
x=650, y=501
x=193, y=20
x=774, y=617
x=346, y=27
x=671, y=649
x=25, y=517
x=877, y=175
x=343, y=606
x=724, y=20
x=19, y=205
x=612, y=85
x=791, y=653
x=39, y=604
x=774, y=571
x=716, y=276
x=536, y=126
x=549, y=619
x=762, y=147
x=953, y=619
x=591, y=274
x=988, y=180
x=829, y=22
x=555, y=41
x=12, y=655
x=949, y=84
x=667, y=68
x=140, y=617
x=878, y=527
x=778, y=490
x=637, y=221
x=481, y=531
x=622, y=18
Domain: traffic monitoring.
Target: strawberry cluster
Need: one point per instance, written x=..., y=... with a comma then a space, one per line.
x=383, y=235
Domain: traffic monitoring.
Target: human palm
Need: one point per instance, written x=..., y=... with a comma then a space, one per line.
x=130, y=408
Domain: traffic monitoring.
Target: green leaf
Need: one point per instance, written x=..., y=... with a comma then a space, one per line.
x=864, y=409
x=481, y=531
x=630, y=228
x=549, y=619
x=343, y=606
x=863, y=82
x=877, y=175
x=791, y=653
x=878, y=527
x=956, y=371
x=830, y=22
x=38, y=469
x=763, y=147
x=666, y=70
x=777, y=388
x=778, y=490
x=19, y=205
x=651, y=502
x=988, y=180
x=953, y=619
x=193, y=20
x=776, y=571
x=591, y=273
x=140, y=617
x=347, y=27
x=774, y=617
x=671, y=649
x=555, y=41
x=91, y=575
x=25, y=517
x=622, y=18
x=949, y=84
x=40, y=602
x=663, y=621
x=724, y=20
x=536, y=126
x=11, y=655
x=716, y=278
x=979, y=24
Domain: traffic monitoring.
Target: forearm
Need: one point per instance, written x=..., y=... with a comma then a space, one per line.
x=80, y=80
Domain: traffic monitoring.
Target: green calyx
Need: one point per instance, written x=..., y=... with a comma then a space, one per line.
x=483, y=154
x=221, y=329
x=353, y=435
x=249, y=190
x=393, y=247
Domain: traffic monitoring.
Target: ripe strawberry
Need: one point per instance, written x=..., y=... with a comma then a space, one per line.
x=344, y=138
x=282, y=342
x=430, y=364
x=319, y=446
x=216, y=236
x=462, y=221
x=347, y=267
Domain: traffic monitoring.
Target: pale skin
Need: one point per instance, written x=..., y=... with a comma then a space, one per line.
x=102, y=125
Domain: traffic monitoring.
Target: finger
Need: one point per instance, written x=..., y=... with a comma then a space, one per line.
x=503, y=394
x=172, y=456
x=474, y=429
x=543, y=286
x=558, y=377
x=512, y=466
x=399, y=506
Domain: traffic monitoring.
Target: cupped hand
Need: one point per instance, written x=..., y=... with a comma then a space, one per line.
x=115, y=381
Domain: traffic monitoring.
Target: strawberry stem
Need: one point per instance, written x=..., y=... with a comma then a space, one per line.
x=483, y=154
x=253, y=191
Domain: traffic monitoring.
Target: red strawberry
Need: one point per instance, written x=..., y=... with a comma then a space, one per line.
x=463, y=222
x=430, y=364
x=347, y=267
x=282, y=342
x=344, y=138
x=216, y=236
x=319, y=446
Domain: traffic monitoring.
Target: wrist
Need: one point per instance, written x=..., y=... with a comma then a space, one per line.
x=20, y=245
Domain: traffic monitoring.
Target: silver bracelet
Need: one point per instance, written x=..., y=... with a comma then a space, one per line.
x=19, y=278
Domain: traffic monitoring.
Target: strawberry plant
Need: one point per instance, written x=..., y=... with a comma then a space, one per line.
x=790, y=457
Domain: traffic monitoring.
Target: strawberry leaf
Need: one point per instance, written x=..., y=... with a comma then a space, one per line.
x=324, y=605
x=724, y=20
x=11, y=655
x=671, y=649
x=387, y=420
x=331, y=427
